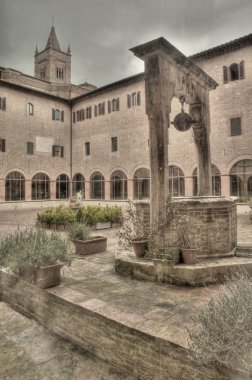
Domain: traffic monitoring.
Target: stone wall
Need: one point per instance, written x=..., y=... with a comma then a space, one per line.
x=139, y=354
x=212, y=224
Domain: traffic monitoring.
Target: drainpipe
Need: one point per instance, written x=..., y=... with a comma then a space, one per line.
x=71, y=146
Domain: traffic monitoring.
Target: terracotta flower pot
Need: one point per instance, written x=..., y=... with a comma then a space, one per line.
x=189, y=255
x=44, y=277
x=94, y=245
x=140, y=246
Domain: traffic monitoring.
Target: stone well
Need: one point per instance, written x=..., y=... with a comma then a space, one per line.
x=212, y=227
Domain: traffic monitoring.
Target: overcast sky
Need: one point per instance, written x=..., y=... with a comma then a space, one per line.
x=100, y=32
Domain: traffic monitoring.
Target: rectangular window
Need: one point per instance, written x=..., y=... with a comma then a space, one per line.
x=87, y=148
x=3, y=104
x=57, y=151
x=2, y=145
x=89, y=112
x=74, y=119
x=29, y=109
x=42, y=74
x=114, y=146
x=56, y=114
x=30, y=147
x=60, y=73
x=62, y=116
x=235, y=126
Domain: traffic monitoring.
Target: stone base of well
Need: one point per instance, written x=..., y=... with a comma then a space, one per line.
x=212, y=227
x=206, y=271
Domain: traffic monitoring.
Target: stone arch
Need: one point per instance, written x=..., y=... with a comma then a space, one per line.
x=78, y=183
x=118, y=185
x=97, y=185
x=141, y=180
x=62, y=186
x=241, y=178
x=176, y=181
x=15, y=186
x=40, y=186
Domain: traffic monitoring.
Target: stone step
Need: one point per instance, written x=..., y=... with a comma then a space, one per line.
x=244, y=251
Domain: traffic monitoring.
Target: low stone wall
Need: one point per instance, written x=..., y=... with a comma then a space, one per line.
x=212, y=227
x=142, y=355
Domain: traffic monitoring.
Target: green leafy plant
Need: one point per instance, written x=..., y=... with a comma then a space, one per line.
x=97, y=214
x=223, y=329
x=79, y=231
x=26, y=251
x=60, y=215
x=132, y=228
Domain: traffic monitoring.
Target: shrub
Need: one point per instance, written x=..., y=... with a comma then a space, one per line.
x=25, y=251
x=79, y=231
x=223, y=332
x=97, y=214
x=58, y=215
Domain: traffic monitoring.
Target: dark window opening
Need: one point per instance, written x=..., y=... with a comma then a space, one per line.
x=114, y=145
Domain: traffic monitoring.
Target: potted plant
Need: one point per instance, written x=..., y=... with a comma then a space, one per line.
x=35, y=256
x=188, y=248
x=85, y=244
x=134, y=232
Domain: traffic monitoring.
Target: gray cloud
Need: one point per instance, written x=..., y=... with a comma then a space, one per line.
x=101, y=31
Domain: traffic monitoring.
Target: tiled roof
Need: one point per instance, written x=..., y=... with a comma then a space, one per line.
x=224, y=48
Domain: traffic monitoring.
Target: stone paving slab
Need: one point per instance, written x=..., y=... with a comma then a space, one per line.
x=30, y=352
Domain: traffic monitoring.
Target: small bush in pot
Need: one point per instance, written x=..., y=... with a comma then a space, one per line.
x=79, y=231
x=26, y=252
x=133, y=231
x=85, y=244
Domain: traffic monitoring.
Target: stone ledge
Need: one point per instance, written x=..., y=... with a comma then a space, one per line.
x=145, y=350
x=208, y=271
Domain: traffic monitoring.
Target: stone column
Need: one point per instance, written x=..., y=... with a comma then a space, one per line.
x=130, y=189
x=201, y=131
x=158, y=106
x=225, y=185
x=53, y=189
x=28, y=190
x=2, y=189
x=107, y=190
x=87, y=190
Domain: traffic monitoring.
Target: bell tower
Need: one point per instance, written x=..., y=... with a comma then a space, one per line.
x=52, y=64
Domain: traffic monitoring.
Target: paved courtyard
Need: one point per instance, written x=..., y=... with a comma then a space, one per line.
x=28, y=351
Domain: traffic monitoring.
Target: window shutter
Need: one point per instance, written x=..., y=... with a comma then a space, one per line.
x=53, y=114
x=109, y=106
x=53, y=150
x=90, y=112
x=2, y=145
x=241, y=67
x=138, y=98
x=4, y=104
x=0, y=103
x=103, y=108
x=95, y=110
x=62, y=116
x=118, y=104
x=61, y=151
x=74, y=118
x=225, y=74
x=129, y=101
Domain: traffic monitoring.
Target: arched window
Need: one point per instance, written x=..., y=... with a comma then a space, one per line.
x=40, y=186
x=176, y=181
x=142, y=184
x=62, y=186
x=97, y=186
x=234, y=71
x=29, y=109
x=78, y=184
x=241, y=179
x=14, y=187
x=216, y=181
x=118, y=185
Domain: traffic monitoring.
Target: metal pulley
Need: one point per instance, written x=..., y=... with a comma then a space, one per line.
x=182, y=121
